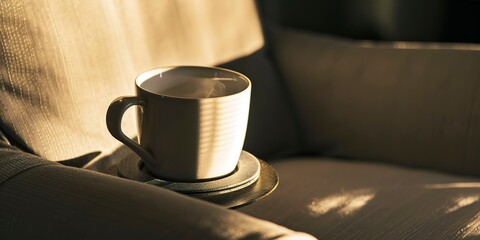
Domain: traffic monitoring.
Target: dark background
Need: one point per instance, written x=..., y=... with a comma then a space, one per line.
x=403, y=20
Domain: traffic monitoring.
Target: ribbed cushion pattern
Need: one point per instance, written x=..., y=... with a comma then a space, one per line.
x=335, y=199
x=62, y=63
x=14, y=162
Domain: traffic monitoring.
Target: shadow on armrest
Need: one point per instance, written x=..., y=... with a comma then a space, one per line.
x=50, y=201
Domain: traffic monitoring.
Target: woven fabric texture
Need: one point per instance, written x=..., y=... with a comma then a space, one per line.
x=334, y=199
x=62, y=63
x=13, y=161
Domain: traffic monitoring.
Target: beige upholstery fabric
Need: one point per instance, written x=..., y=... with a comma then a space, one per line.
x=334, y=199
x=88, y=52
x=405, y=103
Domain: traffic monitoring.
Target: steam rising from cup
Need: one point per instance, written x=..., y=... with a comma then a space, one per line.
x=191, y=87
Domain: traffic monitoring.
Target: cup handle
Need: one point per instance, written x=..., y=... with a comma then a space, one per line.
x=114, y=124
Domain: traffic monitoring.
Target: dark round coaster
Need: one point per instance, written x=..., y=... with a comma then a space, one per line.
x=252, y=180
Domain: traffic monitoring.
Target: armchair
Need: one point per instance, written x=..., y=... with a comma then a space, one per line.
x=371, y=140
x=62, y=63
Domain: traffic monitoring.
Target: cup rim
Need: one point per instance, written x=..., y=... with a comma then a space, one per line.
x=152, y=72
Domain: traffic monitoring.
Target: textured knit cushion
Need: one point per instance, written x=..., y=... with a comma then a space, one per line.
x=62, y=62
x=406, y=103
x=13, y=161
x=334, y=199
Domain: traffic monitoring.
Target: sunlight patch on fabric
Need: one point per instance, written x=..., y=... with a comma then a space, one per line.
x=344, y=204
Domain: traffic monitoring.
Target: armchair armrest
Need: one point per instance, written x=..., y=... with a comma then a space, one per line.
x=46, y=200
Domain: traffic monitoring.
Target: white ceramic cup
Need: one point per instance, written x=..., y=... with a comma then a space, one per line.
x=191, y=121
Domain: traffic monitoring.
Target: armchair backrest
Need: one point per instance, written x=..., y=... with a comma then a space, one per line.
x=412, y=104
x=63, y=62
